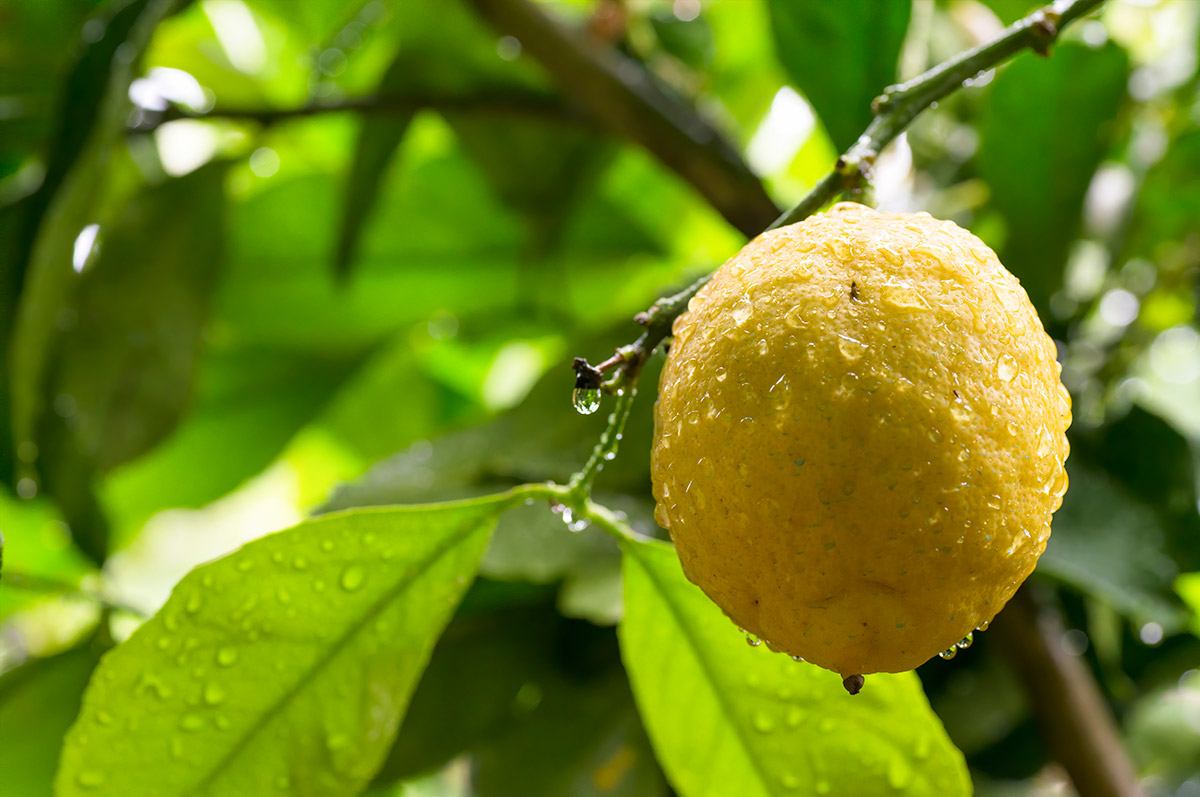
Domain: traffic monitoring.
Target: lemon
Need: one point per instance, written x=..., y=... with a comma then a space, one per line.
x=860, y=437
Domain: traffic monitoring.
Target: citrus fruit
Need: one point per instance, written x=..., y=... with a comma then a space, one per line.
x=860, y=437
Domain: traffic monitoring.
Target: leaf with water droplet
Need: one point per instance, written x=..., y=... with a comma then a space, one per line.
x=248, y=697
x=780, y=718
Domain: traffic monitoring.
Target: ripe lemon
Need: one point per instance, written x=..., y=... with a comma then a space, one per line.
x=860, y=437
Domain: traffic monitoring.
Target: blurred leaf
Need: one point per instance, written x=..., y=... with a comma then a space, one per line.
x=469, y=691
x=691, y=40
x=255, y=395
x=756, y=722
x=317, y=20
x=378, y=137
x=1167, y=204
x=314, y=639
x=127, y=362
x=37, y=545
x=582, y=739
x=77, y=179
x=841, y=56
x=1046, y=123
x=1113, y=546
x=38, y=703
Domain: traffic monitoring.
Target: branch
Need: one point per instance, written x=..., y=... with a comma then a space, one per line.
x=617, y=93
x=1075, y=722
x=894, y=110
x=490, y=101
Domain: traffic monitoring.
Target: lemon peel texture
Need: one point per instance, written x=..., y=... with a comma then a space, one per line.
x=860, y=438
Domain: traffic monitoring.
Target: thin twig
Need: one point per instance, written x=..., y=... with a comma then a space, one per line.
x=617, y=93
x=493, y=101
x=894, y=110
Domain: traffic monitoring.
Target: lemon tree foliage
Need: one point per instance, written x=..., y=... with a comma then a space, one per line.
x=721, y=712
x=287, y=662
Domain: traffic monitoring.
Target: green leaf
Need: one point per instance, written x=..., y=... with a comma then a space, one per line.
x=38, y=703
x=127, y=363
x=726, y=718
x=841, y=55
x=1045, y=125
x=1109, y=544
x=1167, y=203
x=37, y=547
x=691, y=40
x=288, y=663
x=80, y=182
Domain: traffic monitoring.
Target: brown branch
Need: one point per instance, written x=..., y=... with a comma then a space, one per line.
x=1075, y=722
x=492, y=101
x=617, y=93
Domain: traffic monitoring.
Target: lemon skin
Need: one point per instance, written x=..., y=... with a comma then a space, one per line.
x=860, y=438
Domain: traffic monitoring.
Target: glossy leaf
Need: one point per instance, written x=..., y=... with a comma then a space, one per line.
x=728, y=718
x=127, y=362
x=1045, y=126
x=38, y=703
x=840, y=55
x=287, y=662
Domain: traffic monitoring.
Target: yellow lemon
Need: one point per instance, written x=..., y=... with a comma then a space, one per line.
x=860, y=437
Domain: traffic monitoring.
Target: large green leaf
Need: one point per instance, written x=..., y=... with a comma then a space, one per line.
x=288, y=663
x=37, y=554
x=127, y=363
x=841, y=55
x=38, y=703
x=726, y=718
x=1044, y=128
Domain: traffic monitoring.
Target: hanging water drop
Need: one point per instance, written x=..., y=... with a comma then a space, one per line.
x=585, y=400
x=949, y=653
x=983, y=626
x=753, y=641
x=966, y=641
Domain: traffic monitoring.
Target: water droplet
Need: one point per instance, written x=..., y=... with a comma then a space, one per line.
x=327, y=545
x=353, y=578
x=752, y=640
x=338, y=741
x=300, y=563
x=995, y=502
x=966, y=641
x=851, y=348
x=763, y=722
x=90, y=779
x=823, y=787
x=1006, y=367
x=983, y=626
x=741, y=310
x=794, y=716
x=244, y=565
x=214, y=695
x=191, y=722
x=899, y=775
x=789, y=781
x=585, y=400
x=227, y=657
x=194, y=603
x=949, y=653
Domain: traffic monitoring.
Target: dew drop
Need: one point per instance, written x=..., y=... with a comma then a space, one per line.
x=899, y=775
x=353, y=578
x=822, y=787
x=983, y=626
x=741, y=310
x=191, y=722
x=851, y=348
x=585, y=400
x=949, y=653
x=763, y=722
x=89, y=779
x=214, y=695
x=966, y=641
x=194, y=603
x=300, y=563
x=338, y=741
x=227, y=657
x=752, y=640
x=1006, y=367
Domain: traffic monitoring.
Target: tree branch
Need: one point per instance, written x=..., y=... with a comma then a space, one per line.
x=491, y=101
x=1075, y=722
x=617, y=93
x=894, y=110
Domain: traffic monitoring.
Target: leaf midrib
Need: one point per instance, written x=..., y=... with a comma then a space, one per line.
x=339, y=644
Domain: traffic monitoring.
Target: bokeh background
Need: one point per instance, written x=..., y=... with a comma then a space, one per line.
x=260, y=259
